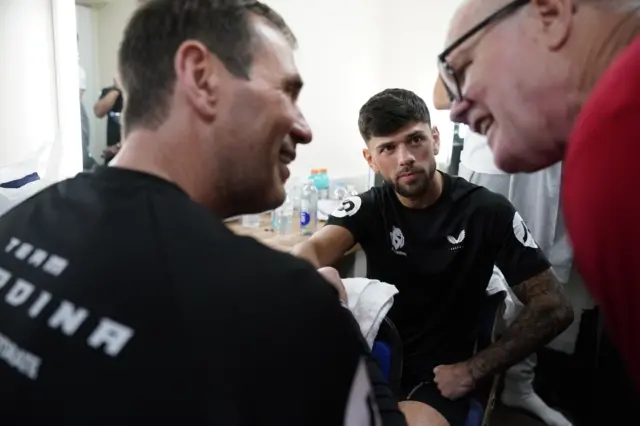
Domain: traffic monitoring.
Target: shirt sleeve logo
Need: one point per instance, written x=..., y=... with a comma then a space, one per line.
x=348, y=207
x=522, y=233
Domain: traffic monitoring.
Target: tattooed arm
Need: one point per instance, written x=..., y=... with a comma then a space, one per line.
x=546, y=313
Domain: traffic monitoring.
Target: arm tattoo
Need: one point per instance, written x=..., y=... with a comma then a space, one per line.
x=546, y=313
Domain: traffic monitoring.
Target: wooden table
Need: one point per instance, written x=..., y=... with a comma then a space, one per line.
x=268, y=237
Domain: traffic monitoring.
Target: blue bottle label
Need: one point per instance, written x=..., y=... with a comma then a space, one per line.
x=305, y=218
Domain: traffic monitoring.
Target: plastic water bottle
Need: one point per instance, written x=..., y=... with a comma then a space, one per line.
x=308, y=208
x=251, y=221
x=322, y=184
x=283, y=218
x=341, y=192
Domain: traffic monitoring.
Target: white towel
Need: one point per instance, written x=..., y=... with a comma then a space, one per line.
x=369, y=301
x=513, y=305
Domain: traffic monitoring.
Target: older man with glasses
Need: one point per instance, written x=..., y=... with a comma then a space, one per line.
x=541, y=78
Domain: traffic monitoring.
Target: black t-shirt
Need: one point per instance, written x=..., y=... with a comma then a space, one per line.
x=123, y=301
x=113, y=117
x=441, y=259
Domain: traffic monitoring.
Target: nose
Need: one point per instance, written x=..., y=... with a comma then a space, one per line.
x=405, y=156
x=459, y=111
x=301, y=131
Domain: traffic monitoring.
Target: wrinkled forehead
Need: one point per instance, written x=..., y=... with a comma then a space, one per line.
x=468, y=15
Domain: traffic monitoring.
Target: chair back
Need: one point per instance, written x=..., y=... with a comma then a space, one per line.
x=484, y=396
x=387, y=349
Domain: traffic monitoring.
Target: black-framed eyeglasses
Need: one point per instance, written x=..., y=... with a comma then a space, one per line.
x=447, y=72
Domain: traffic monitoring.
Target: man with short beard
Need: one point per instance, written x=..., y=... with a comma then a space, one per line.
x=545, y=78
x=437, y=238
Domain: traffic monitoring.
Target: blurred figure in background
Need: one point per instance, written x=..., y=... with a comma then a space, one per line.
x=110, y=104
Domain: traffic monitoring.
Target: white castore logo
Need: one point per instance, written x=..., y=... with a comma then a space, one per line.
x=348, y=207
x=522, y=233
x=454, y=240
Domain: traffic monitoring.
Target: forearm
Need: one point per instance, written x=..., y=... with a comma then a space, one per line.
x=308, y=252
x=104, y=105
x=545, y=315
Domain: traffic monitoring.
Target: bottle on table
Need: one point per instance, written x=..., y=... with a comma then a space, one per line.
x=308, y=208
x=251, y=221
x=322, y=184
x=282, y=222
x=341, y=192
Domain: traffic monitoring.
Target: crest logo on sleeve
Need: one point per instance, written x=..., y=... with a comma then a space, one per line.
x=522, y=233
x=348, y=207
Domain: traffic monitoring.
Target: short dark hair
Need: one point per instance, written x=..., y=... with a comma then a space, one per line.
x=391, y=110
x=156, y=31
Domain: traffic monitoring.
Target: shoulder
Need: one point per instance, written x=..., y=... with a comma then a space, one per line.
x=358, y=204
x=212, y=250
x=479, y=198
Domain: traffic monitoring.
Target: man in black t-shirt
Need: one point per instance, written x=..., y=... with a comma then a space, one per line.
x=110, y=105
x=437, y=238
x=124, y=298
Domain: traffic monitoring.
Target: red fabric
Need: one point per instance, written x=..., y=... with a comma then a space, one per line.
x=602, y=201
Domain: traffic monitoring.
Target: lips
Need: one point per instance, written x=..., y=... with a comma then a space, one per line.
x=408, y=175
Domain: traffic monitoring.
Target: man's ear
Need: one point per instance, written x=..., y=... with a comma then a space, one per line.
x=199, y=73
x=367, y=156
x=554, y=19
x=436, y=140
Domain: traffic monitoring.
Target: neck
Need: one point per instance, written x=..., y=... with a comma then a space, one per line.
x=161, y=153
x=430, y=196
x=606, y=33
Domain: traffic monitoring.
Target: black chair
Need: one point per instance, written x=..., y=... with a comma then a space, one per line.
x=484, y=396
x=387, y=349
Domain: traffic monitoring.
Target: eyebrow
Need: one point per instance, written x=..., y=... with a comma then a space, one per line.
x=414, y=134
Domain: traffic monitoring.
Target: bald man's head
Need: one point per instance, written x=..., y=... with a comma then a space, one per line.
x=469, y=14
x=520, y=77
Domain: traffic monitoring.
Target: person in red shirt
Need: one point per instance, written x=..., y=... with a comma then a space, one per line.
x=568, y=88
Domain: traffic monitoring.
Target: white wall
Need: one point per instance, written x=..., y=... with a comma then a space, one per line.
x=39, y=106
x=112, y=20
x=348, y=51
x=415, y=32
x=339, y=58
